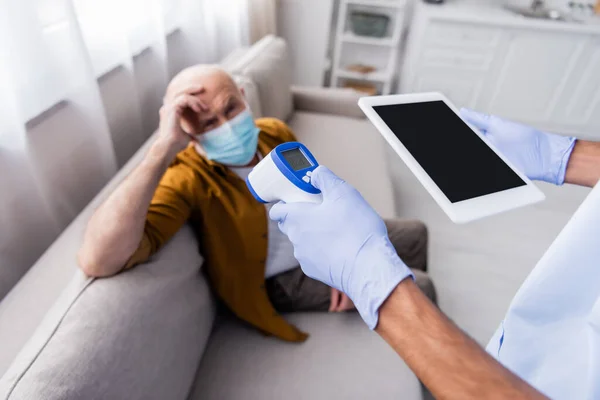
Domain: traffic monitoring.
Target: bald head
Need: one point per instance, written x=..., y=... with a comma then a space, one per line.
x=215, y=88
x=207, y=75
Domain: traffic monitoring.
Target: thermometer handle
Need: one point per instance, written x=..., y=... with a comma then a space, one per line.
x=297, y=197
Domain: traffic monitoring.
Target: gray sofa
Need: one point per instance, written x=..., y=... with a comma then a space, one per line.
x=154, y=332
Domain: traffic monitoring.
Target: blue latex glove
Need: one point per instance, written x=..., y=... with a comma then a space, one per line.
x=539, y=155
x=344, y=243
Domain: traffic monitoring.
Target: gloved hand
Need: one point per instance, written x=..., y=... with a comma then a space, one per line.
x=539, y=155
x=343, y=243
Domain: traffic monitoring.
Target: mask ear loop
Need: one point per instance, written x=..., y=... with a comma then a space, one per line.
x=248, y=107
x=260, y=156
x=199, y=149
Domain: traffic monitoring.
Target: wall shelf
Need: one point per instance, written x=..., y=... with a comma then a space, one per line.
x=380, y=53
x=350, y=37
x=378, y=3
x=372, y=76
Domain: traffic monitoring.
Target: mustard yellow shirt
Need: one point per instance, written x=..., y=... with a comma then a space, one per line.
x=231, y=227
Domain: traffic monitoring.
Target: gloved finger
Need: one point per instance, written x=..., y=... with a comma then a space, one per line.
x=323, y=179
x=492, y=140
x=479, y=120
x=279, y=211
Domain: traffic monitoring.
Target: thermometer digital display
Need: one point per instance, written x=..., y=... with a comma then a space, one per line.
x=284, y=174
x=296, y=159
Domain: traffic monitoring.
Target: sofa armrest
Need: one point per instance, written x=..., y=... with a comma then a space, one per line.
x=137, y=335
x=337, y=101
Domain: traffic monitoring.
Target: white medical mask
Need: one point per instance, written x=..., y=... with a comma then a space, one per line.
x=234, y=142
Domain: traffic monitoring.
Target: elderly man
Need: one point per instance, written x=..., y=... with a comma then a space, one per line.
x=207, y=144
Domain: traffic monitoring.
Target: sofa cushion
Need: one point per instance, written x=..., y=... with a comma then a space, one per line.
x=352, y=148
x=342, y=359
x=268, y=64
x=138, y=335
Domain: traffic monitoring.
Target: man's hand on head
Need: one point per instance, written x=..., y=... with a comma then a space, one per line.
x=171, y=134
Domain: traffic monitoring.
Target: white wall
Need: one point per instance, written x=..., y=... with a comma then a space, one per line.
x=306, y=25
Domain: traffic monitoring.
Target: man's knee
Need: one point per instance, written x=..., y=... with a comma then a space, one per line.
x=421, y=234
x=410, y=239
x=407, y=229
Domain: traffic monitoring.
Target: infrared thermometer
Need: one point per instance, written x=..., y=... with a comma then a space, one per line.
x=284, y=174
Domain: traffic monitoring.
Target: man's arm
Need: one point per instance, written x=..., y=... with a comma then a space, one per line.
x=584, y=165
x=447, y=361
x=117, y=227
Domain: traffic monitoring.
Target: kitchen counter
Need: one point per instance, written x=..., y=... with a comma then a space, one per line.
x=493, y=13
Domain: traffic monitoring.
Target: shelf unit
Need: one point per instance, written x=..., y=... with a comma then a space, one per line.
x=381, y=53
x=372, y=76
x=378, y=3
x=352, y=38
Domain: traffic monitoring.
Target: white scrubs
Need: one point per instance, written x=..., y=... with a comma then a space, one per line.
x=550, y=336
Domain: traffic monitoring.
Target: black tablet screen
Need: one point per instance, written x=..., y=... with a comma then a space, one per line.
x=457, y=160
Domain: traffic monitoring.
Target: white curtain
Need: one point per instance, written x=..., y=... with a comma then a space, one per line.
x=81, y=82
x=262, y=18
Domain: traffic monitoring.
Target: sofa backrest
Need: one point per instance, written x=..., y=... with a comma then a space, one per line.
x=251, y=94
x=267, y=63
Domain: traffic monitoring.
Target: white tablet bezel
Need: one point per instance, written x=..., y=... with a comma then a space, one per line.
x=462, y=211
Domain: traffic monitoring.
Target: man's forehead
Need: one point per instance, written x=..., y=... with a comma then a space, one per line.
x=213, y=80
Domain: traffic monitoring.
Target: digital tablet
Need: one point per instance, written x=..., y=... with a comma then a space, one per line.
x=461, y=170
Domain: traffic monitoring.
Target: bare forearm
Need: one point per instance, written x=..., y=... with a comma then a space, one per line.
x=446, y=360
x=116, y=228
x=584, y=164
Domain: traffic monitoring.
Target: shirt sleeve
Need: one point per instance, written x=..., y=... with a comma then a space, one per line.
x=169, y=209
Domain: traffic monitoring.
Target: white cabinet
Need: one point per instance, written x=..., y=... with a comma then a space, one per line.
x=580, y=102
x=534, y=69
x=450, y=58
x=544, y=77
x=463, y=91
x=379, y=53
